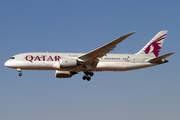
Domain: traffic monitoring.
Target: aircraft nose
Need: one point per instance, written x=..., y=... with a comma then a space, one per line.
x=8, y=64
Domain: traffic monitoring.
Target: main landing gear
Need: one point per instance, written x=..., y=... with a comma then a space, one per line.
x=88, y=75
x=20, y=73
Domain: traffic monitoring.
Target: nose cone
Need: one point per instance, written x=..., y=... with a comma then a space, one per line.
x=9, y=64
x=6, y=64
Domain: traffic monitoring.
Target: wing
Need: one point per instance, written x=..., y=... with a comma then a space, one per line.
x=91, y=58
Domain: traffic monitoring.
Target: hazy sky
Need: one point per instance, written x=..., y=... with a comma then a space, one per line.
x=81, y=26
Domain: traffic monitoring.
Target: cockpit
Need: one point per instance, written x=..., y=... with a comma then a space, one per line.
x=12, y=58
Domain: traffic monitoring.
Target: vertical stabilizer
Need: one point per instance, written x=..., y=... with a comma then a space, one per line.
x=153, y=47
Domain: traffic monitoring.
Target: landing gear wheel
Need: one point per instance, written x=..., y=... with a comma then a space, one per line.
x=84, y=77
x=20, y=74
x=88, y=78
x=88, y=75
x=91, y=74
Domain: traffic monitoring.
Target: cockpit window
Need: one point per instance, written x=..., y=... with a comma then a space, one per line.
x=12, y=58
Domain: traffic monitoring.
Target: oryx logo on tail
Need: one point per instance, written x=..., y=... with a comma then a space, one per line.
x=155, y=46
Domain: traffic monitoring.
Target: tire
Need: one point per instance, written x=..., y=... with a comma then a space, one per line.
x=20, y=74
x=88, y=78
x=91, y=74
x=84, y=77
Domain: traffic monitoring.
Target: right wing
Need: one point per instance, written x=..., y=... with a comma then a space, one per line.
x=91, y=58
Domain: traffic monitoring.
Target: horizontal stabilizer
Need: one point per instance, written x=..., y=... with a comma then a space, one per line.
x=160, y=57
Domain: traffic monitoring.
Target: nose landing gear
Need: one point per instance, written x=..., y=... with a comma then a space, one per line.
x=19, y=70
x=20, y=74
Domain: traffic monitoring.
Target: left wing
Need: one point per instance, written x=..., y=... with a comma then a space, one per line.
x=91, y=58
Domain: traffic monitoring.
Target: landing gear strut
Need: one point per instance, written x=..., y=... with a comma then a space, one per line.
x=88, y=75
x=20, y=73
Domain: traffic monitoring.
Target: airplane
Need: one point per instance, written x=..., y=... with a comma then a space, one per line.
x=68, y=64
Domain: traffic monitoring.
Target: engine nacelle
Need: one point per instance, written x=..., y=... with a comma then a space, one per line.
x=64, y=74
x=68, y=62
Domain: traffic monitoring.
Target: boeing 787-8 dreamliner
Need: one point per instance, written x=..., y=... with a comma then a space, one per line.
x=68, y=64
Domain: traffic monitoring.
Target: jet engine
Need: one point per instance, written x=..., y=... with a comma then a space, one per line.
x=64, y=74
x=68, y=63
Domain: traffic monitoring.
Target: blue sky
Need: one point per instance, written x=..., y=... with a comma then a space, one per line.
x=81, y=26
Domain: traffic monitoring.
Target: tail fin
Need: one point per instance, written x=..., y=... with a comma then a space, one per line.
x=153, y=47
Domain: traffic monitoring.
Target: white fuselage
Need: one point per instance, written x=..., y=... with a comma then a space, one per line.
x=51, y=61
x=68, y=64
